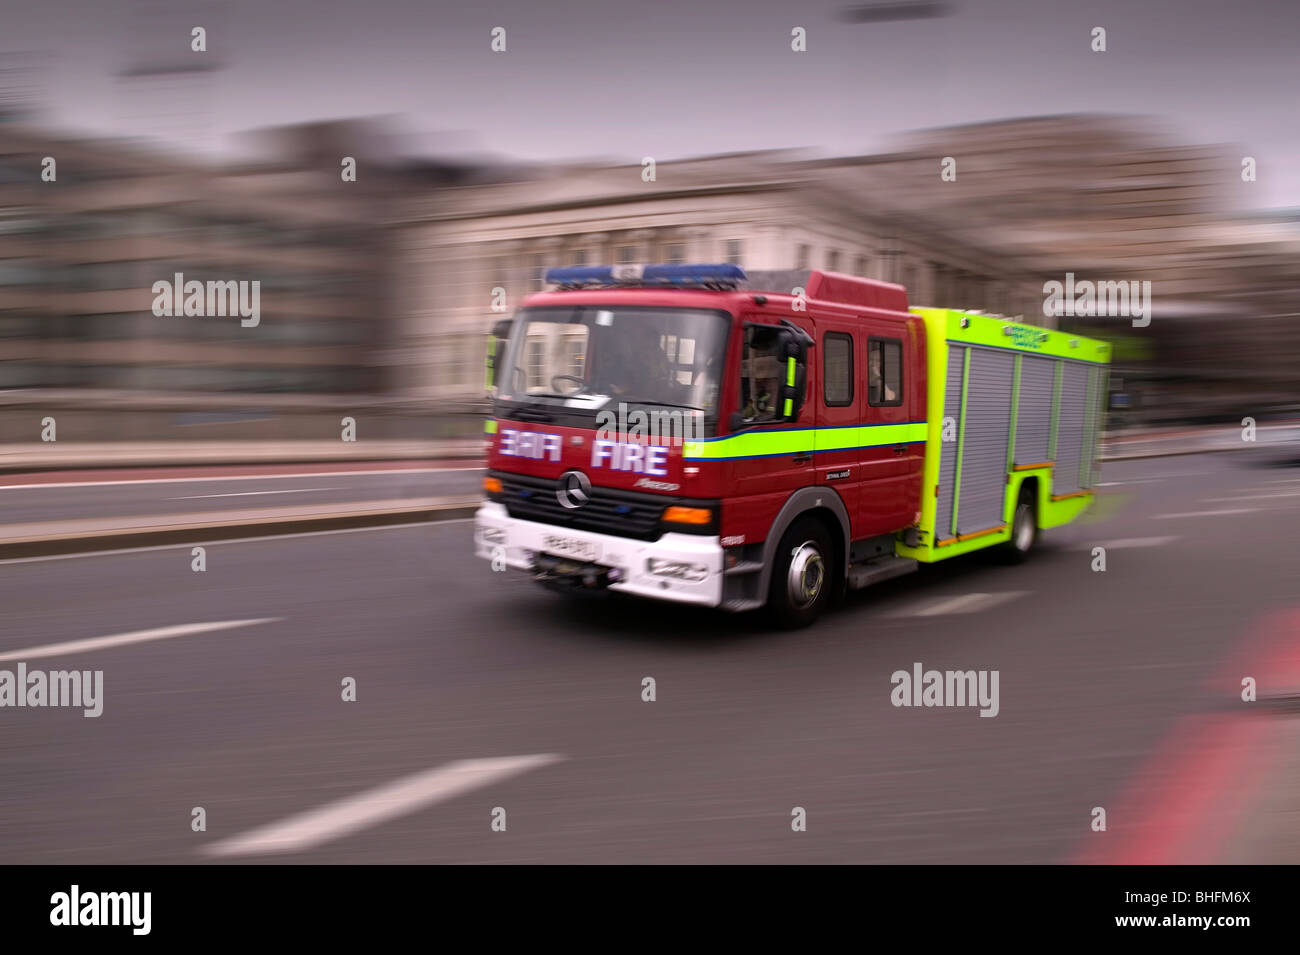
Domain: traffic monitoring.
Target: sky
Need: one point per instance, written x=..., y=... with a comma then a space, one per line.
x=621, y=80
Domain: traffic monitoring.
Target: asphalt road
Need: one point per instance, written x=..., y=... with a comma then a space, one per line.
x=1100, y=674
x=73, y=496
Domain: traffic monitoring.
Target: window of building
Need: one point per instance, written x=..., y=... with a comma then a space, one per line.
x=837, y=369
x=735, y=251
x=884, y=372
x=675, y=254
x=626, y=254
x=833, y=260
x=537, y=268
x=803, y=256
x=860, y=266
x=578, y=257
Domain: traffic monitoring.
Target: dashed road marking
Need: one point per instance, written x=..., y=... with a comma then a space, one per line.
x=1226, y=510
x=962, y=603
x=123, y=639
x=1252, y=497
x=374, y=806
x=1125, y=542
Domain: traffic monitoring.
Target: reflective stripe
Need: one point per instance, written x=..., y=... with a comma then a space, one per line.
x=789, y=372
x=489, y=427
x=755, y=444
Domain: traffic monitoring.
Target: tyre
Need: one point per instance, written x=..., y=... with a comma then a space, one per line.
x=1024, y=529
x=803, y=574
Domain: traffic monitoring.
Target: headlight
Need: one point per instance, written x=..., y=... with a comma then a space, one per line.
x=680, y=569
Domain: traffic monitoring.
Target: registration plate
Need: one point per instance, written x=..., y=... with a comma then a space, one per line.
x=570, y=547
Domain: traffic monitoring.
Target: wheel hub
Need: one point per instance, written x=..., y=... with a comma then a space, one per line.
x=807, y=575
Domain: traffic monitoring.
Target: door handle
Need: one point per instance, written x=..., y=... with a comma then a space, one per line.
x=900, y=449
x=802, y=458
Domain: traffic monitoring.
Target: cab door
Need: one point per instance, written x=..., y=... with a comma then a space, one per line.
x=891, y=463
x=768, y=460
x=839, y=357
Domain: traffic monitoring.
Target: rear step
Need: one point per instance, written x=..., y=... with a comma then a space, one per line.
x=883, y=568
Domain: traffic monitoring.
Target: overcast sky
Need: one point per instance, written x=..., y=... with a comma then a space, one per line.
x=670, y=78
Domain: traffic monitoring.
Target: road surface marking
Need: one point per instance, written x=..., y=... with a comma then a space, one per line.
x=1124, y=542
x=122, y=639
x=374, y=806
x=237, y=540
x=964, y=603
x=296, y=490
x=1253, y=497
x=233, y=477
x=1226, y=510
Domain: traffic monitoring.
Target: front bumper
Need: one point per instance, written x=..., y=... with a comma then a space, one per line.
x=498, y=535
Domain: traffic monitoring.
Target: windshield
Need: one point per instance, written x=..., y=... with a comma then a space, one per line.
x=573, y=362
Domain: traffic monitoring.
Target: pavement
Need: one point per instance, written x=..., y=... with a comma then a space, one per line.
x=483, y=702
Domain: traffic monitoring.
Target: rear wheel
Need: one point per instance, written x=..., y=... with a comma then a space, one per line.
x=1024, y=529
x=803, y=574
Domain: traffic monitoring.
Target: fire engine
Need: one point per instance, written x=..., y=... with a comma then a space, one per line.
x=697, y=434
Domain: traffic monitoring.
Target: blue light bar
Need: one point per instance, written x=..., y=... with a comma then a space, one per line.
x=705, y=276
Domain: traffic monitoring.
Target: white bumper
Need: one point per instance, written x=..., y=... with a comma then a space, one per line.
x=632, y=557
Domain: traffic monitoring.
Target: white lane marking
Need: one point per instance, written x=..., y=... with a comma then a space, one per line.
x=236, y=540
x=122, y=639
x=233, y=477
x=1284, y=481
x=1253, y=497
x=965, y=603
x=1226, y=510
x=1131, y=542
x=374, y=806
x=296, y=490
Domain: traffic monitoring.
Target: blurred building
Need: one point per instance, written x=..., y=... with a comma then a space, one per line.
x=767, y=210
x=1116, y=199
x=79, y=256
x=379, y=292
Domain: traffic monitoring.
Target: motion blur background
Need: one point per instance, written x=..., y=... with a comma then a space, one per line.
x=477, y=170
x=377, y=294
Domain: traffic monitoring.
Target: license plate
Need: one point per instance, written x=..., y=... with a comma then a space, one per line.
x=570, y=547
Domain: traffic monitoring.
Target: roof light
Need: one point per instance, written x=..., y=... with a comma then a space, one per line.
x=709, y=276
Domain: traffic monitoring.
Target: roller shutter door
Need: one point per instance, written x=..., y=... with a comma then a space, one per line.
x=1034, y=413
x=983, y=489
x=1070, y=427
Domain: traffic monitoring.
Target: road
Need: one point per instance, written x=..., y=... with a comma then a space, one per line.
x=1106, y=680
x=123, y=493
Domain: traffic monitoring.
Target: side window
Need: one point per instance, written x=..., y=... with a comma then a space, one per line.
x=837, y=369
x=760, y=375
x=884, y=371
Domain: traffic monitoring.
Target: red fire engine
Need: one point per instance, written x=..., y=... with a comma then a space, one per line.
x=700, y=435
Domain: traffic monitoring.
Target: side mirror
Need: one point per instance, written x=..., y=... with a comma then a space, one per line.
x=795, y=344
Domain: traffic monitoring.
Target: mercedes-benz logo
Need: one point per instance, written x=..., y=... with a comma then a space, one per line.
x=574, y=490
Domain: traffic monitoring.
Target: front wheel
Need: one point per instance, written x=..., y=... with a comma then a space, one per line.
x=803, y=574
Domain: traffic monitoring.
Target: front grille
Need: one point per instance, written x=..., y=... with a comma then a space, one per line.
x=621, y=513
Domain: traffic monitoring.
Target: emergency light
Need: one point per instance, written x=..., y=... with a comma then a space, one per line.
x=698, y=276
